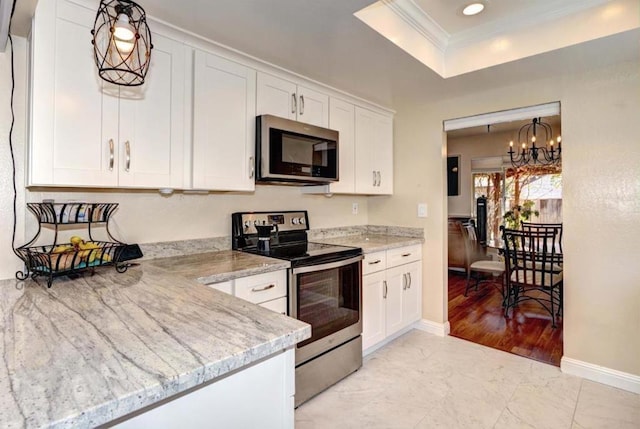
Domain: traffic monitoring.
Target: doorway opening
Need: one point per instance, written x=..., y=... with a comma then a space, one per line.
x=510, y=195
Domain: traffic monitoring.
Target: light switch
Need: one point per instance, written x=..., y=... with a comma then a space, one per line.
x=354, y=208
x=422, y=209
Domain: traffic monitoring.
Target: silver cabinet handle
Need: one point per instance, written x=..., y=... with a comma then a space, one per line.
x=379, y=178
x=127, y=151
x=409, y=276
x=404, y=281
x=302, y=104
x=111, y=154
x=374, y=178
x=377, y=261
x=261, y=289
x=294, y=103
x=384, y=289
x=252, y=167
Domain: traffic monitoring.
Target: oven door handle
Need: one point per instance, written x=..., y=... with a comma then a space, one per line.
x=327, y=266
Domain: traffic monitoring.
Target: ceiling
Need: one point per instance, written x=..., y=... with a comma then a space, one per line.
x=326, y=42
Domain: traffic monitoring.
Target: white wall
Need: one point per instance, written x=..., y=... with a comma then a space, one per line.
x=9, y=263
x=145, y=216
x=601, y=201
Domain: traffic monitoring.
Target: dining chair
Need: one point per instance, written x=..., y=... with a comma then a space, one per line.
x=550, y=227
x=478, y=263
x=533, y=269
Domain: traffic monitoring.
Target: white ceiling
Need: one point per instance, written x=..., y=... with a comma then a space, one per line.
x=322, y=39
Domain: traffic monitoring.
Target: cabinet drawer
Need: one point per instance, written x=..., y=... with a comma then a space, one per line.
x=404, y=255
x=226, y=287
x=263, y=287
x=278, y=305
x=373, y=262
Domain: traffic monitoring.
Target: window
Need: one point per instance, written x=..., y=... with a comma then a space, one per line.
x=537, y=187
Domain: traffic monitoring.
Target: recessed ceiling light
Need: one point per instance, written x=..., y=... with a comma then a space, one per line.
x=473, y=9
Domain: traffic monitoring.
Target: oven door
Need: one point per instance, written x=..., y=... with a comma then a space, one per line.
x=329, y=298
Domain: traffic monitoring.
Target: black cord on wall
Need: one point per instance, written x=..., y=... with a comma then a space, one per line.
x=13, y=120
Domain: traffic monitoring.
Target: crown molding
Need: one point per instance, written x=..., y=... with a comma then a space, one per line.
x=419, y=20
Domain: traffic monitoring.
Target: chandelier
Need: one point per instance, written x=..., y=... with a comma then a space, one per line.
x=121, y=42
x=546, y=154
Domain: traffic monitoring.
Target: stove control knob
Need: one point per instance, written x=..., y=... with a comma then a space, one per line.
x=302, y=221
x=295, y=221
x=247, y=224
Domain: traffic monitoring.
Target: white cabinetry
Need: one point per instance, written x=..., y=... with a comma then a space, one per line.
x=223, y=124
x=268, y=290
x=391, y=292
x=374, y=152
x=365, y=151
x=259, y=396
x=283, y=98
x=86, y=132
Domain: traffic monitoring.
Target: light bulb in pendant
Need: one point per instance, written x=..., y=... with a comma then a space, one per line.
x=122, y=29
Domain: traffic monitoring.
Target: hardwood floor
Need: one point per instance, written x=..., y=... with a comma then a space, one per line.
x=479, y=318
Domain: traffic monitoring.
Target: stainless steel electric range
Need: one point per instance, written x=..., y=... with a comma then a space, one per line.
x=324, y=290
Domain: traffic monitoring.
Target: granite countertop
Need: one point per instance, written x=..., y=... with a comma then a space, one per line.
x=373, y=242
x=215, y=267
x=89, y=350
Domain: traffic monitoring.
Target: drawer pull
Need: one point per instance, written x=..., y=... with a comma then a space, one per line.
x=404, y=255
x=261, y=289
x=377, y=261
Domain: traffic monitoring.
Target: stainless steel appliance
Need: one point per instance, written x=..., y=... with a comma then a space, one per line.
x=294, y=152
x=325, y=290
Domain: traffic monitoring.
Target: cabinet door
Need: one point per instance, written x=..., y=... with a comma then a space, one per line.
x=223, y=124
x=151, y=139
x=373, y=309
x=395, y=293
x=276, y=96
x=412, y=299
x=73, y=125
x=374, y=152
x=313, y=107
x=341, y=119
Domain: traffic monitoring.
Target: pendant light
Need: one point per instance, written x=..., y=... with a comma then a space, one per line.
x=121, y=42
x=546, y=153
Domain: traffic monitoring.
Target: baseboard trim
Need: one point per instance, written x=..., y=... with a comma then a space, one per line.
x=435, y=328
x=601, y=374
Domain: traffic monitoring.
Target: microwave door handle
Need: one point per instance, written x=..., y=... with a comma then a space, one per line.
x=294, y=103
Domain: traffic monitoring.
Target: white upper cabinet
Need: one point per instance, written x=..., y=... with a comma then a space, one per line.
x=224, y=113
x=285, y=99
x=86, y=132
x=342, y=119
x=373, y=152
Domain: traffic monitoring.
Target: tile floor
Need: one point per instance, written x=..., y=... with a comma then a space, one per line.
x=424, y=381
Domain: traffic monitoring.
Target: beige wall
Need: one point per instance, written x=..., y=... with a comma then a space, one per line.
x=146, y=216
x=601, y=196
x=468, y=148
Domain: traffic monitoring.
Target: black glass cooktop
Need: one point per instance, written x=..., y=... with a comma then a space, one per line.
x=308, y=253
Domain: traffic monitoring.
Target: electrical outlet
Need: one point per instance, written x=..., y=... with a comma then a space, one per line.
x=354, y=208
x=422, y=209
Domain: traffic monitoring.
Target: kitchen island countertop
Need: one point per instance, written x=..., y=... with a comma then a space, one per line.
x=95, y=348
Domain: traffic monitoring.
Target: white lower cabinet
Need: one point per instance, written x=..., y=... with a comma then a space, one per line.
x=391, y=292
x=267, y=388
x=268, y=290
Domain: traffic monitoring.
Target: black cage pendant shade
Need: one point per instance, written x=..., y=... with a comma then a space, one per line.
x=121, y=42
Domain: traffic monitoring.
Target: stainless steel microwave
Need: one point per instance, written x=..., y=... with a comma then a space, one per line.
x=293, y=152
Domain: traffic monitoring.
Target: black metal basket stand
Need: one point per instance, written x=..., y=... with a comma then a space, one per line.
x=61, y=259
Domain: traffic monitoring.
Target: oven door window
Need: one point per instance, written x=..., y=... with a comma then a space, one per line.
x=298, y=155
x=329, y=300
